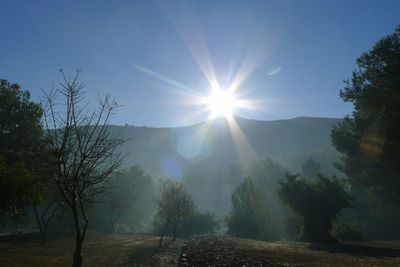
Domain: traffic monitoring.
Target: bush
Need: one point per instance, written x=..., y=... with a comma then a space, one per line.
x=198, y=223
x=347, y=232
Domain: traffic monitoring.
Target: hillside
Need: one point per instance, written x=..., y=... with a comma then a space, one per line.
x=169, y=151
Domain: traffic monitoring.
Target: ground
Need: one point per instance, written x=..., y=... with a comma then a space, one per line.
x=142, y=250
x=226, y=251
x=99, y=250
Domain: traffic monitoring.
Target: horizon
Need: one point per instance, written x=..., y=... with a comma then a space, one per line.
x=237, y=118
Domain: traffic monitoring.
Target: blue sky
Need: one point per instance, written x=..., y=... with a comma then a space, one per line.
x=297, y=52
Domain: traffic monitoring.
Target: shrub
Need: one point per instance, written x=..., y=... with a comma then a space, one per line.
x=347, y=232
x=198, y=223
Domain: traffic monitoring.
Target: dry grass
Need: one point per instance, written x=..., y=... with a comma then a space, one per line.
x=99, y=250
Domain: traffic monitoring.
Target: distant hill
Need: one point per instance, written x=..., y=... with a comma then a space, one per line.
x=169, y=151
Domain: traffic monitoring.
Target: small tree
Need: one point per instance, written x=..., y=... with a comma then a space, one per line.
x=319, y=203
x=82, y=151
x=174, y=205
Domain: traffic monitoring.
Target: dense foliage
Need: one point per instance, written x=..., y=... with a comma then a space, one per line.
x=127, y=202
x=17, y=190
x=248, y=217
x=20, y=124
x=369, y=140
x=21, y=185
x=319, y=203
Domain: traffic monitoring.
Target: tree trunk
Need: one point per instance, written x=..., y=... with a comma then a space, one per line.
x=44, y=233
x=40, y=225
x=79, y=234
x=77, y=261
x=112, y=221
x=163, y=233
x=77, y=256
x=174, y=232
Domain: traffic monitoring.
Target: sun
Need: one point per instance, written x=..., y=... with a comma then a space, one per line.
x=221, y=103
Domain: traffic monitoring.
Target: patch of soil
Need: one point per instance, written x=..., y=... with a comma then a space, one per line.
x=222, y=251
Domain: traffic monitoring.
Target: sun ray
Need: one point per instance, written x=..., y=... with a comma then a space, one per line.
x=218, y=102
x=165, y=79
x=244, y=150
x=190, y=31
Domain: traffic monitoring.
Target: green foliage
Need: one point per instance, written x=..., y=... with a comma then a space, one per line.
x=319, y=203
x=17, y=190
x=370, y=140
x=20, y=144
x=347, y=232
x=20, y=127
x=248, y=216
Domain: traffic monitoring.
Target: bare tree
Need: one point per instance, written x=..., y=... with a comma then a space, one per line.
x=83, y=150
x=173, y=206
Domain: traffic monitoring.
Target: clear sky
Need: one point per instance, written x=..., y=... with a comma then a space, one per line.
x=151, y=56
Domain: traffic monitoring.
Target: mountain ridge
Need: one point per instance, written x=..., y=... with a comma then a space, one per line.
x=170, y=151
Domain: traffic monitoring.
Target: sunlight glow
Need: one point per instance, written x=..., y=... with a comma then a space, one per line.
x=221, y=103
x=218, y=102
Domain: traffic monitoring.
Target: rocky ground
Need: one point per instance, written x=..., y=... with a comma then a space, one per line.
x=227, y=251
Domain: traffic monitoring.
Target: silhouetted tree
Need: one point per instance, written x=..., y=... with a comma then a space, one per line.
x=124, y=190
x=369, y=140
x=174, y=205
x=248, y=216
x=319, y=203
x=82, y=149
